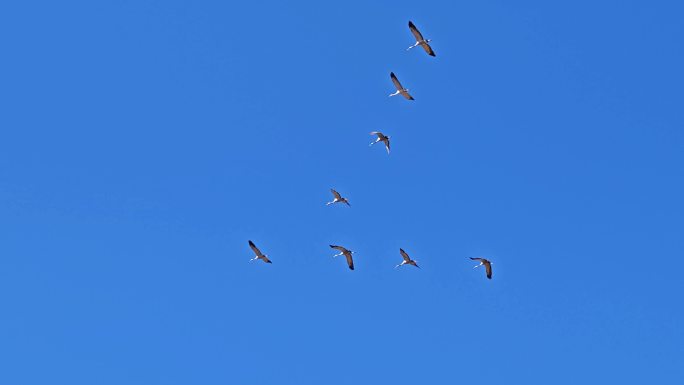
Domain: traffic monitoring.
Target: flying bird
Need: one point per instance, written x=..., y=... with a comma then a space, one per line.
x=259, y=254
x=346, y=253
x=400, y=90
x=407, y=260
x=338, y=198
x=420, y=41
x=381, y=138
x=487, y=265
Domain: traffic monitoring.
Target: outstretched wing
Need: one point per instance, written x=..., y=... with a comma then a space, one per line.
x=379, y=134
x=336, y=194
x=477, y=259
x=404, y=255
x=397, y=85
x=350, y=261
x=488, y=267
x=407, y=95
x=387, y=144
x=416, y=33
x=340, y=248
x=255, y=249
x=428, y=49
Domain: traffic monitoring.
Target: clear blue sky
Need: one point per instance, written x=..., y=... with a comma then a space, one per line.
x=144, y=142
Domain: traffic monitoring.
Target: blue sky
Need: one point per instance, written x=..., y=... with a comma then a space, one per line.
x=144, y=142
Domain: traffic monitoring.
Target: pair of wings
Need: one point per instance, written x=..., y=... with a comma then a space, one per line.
x=487, y=265
x=399, y=87
x=383, y=138
x=258, y=252
x=347, y=254
x=419, y=37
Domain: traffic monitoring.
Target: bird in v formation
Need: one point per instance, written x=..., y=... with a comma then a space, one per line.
x=337, y=198
x=420, y=40
x=381, y=138
x=348, y=254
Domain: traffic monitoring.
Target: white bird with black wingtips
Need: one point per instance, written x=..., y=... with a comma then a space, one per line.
x=486, y=263
x=337, y=198
x=347, y=253
x=381, y=138
x=407, y=260
x=420, y=41
x=400, y=89
x=258, y=253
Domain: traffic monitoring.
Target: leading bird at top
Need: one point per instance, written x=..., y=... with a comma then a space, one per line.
x=420, y=40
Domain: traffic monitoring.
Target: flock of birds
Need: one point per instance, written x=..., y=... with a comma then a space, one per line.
x=385, y=139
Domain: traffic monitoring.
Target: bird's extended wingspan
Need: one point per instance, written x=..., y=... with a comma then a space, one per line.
x=404, y=255
x=336, y=194
x=487, y=264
